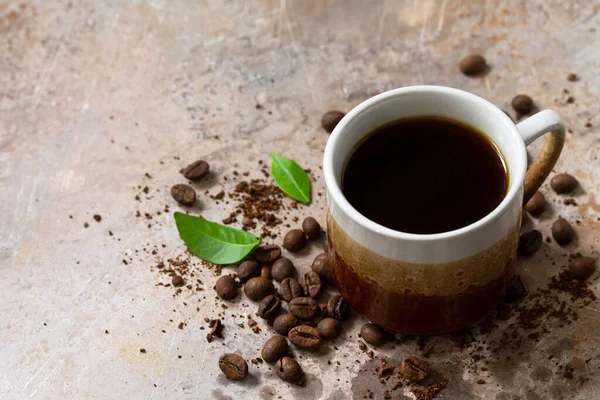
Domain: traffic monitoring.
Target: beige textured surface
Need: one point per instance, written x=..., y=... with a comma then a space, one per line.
x=93, y=94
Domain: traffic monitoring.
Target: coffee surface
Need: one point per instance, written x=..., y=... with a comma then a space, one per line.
x=425, y=175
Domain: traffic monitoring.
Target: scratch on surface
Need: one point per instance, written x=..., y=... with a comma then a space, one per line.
x=587, y=371
x=593, y=309
x=487, y=85
x=441, y=18
x=59, y=364
x=36, y=373
x=164, y=364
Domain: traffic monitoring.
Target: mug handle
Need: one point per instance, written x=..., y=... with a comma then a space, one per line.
x=531, y=129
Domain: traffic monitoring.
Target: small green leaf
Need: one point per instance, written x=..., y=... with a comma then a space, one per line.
x=212, y=242
x=290, y=178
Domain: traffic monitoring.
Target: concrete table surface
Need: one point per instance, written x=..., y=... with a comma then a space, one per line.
x=94, y=95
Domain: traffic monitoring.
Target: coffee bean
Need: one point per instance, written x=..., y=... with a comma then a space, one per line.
x=373, y=334
x=473, y=64
x=183, y=194
x=233, y=366
x=281, y=269
x=305, y=337
x=337, y=307
x=248, y=269
x=294, y=240
x=563, y=183
x=311, y=228
x=265, y=272
x=322, y=266
x=258, y=288
x=289, y=289
x=562, y=232
x=196, y=170
x=515, y=290
x=267, y=253
x=530, y=242
x=288, y=370
x=330, y=119
x=177, y=281
x=304, y=307
x=274, y=349
x=414, y=369
x=537, y=204
x=284, y=323
x=312, y=284
x=522, y=104
x=329, y=328
x=582, y=268
x=226, y=287
x=269, y=307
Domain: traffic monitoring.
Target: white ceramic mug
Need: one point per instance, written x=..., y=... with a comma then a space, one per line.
x=430, y=284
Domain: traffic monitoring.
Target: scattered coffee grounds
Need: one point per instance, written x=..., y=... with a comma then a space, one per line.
x=582, y=268
x=196, y=170
x=281, y=269
x=472, y=65
x=269, y=307
x=414, y=369
x=312, y=284
x=258, y=288
x=530, y=242
x=537, y=204
x=86, y=225
x=274, y=349
x=284, y=323
x=226, y=287
x=329, y=328
x=563, y=183
x=143, y=351
x=259, y=201
x=330, y=119
x=304, y=308
x=216, y=330
x=294, y=240
x=562, y=232
x=311, y=228
x=373, y=335
x=289, y=370
x=290, y=289
x=177, y=281
x=429, y=392
x=233, y=366
x=183, y=194
x=97, y=218
x=268, y=253
x=248, y=269
x=322, y=267
x=337, y=307
x=305, y=337
x=572, y=77
x=522, y=104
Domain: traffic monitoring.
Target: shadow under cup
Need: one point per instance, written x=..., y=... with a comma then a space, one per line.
x=423, y=284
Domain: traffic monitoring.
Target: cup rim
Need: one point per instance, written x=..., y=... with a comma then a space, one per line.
x=517, y=177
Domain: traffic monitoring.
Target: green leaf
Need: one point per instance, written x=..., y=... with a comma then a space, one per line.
x=290, y=178
x=213, y=242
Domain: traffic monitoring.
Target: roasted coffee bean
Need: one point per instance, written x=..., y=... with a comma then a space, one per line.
x=233, y=366
x=537, y=204
x=373, y=334
x=563, y=183
x=530, y=242
x=304, y=307
x=183, y=194
x=562, y=232
x=311, y=227
x=196, y=170
x=265, y=272
x=274, y=349
x=522, y=104
x=289, y=289
x=226, y=287
x=312, y=284
x=288, y=370
x=248, y=269
x=322, y=266
x=337, y=307
x=281, y=269
x=305, y=337
x=269, y=307
x=258, y=288
x=267, y=253
x=516, y=290
x=582, y=268
x=177, y=281
x=294, y=240
x=284, y=323
x=473, y=64
x=329, y=328
x=330, y=119
x=414, y=369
